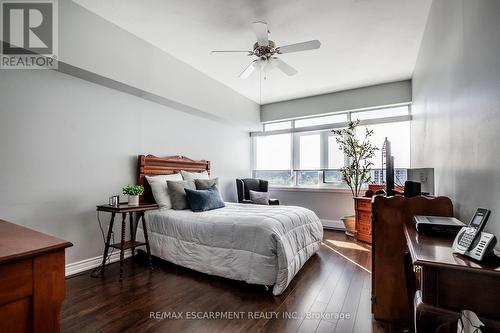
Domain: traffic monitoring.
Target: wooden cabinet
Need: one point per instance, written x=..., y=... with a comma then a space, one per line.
x=363, y=209
x=31, y=280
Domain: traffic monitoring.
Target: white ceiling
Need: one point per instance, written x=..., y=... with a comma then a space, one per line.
x=364, y=42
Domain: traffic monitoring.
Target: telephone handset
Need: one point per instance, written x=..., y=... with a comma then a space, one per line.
x=471, y=240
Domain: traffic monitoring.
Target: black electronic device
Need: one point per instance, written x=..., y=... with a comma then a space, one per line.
x=412, y=189
x=438, y=225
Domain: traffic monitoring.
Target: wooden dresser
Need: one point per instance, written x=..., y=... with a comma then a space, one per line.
x=31, y=280
x=363, y=209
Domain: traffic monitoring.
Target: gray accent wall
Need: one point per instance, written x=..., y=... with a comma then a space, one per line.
x=365, y=97
x=456, y=110
x=95, y=45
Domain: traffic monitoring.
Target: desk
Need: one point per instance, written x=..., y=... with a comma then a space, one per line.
x=450, y=283
x=32, y=284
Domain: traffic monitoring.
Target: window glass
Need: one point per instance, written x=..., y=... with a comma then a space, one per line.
x=336, y=158
x=273, y=152
x=276, y=177
x=332, y=119
x=399, y=136
x=400, y=176
x=307, y=177
x=334, y=177
x=310, y=151
x=380, y=113
x=278, y=126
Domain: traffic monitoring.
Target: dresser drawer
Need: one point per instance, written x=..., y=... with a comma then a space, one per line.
x=364, y=228
x=364, y=204
x=364, y=217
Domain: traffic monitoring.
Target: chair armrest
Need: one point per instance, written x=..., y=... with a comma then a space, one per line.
x=274, y=202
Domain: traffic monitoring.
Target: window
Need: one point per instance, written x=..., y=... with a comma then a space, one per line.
x=336, y=159
x=277, y=126
x=308, y=177
x=313, y=158
x=332, y=119
x=309, y=151
x=273, y=152
x=333, y=177
x=276, y=177
x=399, y=136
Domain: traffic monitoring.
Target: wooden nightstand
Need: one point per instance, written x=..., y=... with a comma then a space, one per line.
x=125, y=209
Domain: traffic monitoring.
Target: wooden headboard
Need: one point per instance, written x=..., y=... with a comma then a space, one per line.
x=151, y=165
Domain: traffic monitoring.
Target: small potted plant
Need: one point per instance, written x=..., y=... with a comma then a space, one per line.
x=358, y=171
x=133, y=191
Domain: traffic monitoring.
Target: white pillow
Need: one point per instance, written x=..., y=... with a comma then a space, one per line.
x=194, y=175
x=159, y=188
x=259, y=198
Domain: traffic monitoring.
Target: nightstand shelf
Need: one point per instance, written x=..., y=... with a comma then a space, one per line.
x=127, y=245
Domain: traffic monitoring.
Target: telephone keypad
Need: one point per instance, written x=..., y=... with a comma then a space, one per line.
x=466, y=239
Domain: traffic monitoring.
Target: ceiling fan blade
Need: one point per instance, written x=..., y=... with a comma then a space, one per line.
x=231, y=51
x=284, y=67
x=304, y=46
x=249, y=70
x=261, y=32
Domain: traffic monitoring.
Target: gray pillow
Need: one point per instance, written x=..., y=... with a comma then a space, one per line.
x=177, y=193
x=259, y=198
x=205, y=184
x=203, y=200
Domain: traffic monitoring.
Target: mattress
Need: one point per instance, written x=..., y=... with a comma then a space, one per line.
x=257, y=244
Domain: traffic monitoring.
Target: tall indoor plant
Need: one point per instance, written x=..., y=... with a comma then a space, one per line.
x=357, y=172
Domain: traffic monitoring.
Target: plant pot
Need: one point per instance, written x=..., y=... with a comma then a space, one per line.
x=133, y=200
x=350, y=225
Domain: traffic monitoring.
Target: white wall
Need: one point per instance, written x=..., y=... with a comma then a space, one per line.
x=456, y=111
x=68, y=144
x=365, y=97
x=330, y=206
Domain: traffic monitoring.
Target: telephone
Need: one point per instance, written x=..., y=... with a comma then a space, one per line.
x=472, y=241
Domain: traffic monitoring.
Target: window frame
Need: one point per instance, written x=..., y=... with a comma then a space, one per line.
x=325, y=132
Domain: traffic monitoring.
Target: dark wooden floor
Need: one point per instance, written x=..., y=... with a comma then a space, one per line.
x=335, y=281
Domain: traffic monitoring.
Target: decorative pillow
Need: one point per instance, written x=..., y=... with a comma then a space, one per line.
x=194, y=175
x=177, y=194
x=159, y=188
x=259, y=198
x=205, y=184
x=203, y=200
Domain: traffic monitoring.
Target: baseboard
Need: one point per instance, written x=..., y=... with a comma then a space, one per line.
x=90, y=263
x=333, y=224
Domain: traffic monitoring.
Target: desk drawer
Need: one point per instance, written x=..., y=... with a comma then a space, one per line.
x=16, y=281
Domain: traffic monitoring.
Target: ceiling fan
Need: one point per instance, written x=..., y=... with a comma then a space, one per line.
x=265, y=50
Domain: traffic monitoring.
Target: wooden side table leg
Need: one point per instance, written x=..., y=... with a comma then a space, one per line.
x=146, y=240
x=108, y=240
x=122, y=243
x=132, y=232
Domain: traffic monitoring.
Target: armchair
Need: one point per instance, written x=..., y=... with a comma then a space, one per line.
x=244, y=186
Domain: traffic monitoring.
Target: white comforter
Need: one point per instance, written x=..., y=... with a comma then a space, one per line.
x=258, y=244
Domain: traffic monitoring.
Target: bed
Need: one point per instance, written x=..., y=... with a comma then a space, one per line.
x=264, y=245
